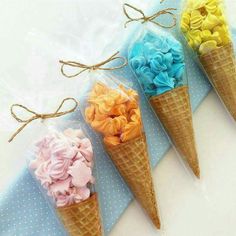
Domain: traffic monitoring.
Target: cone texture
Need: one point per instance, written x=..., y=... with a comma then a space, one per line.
x=220, y=67
x=131, y=160
x=82, y=219
x=174, y=111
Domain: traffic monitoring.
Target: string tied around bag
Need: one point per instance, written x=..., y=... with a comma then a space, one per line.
x=36, y=116
x=152, y=18
x=99, y=66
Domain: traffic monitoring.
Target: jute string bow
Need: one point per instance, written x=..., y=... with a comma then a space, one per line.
x=143, y=18
x=99, y=66
x=36, y=116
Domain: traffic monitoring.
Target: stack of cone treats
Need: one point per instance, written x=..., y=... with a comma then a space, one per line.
x=115, y=113
x=206, y=30
x=157, y=61
x=63, y=166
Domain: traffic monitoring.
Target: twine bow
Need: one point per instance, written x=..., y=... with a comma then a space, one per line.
x=36, y=115
x=98, y=66
x=143, y=18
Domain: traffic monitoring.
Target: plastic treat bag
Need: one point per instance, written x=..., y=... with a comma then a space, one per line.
x=157, y=59
x=62, y=162
x=112, y=110
x=204, y=26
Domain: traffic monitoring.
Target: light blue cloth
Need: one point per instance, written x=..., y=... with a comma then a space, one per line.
x=23, y=210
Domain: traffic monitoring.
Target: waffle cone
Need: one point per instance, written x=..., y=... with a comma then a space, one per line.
x=82, y=219
x=220, y=67
x=132, y=161
x=174, y=111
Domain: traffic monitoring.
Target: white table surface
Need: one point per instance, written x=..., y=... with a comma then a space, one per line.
x=204, y=209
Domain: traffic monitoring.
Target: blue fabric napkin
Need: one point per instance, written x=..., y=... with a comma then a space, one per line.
x=23, y=209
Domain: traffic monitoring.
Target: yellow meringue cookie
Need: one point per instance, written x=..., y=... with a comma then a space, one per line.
x=207, y=46
x=206, y=17
x=198, y=4
x=184, y=27
x=186, y=17
x=210, y=22
x=196, y=22
x=216, y=36
x=195, y=13
x=211, y=7
x=194, y=37
x=205, y=35
x=223, y=33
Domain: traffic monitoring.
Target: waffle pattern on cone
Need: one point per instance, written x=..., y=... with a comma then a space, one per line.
x=220, y=67
x=82, y=219
x=174, y=111
x=132, y=161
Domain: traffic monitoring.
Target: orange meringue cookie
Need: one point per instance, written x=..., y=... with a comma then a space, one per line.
x=111, y=140
x=132, y=130
x=103, y=102
x=130, y=92
x=114, y=113
x=118, y=110
x=98, y=89
x=90, y=113
x=135, y=115
x=110, y=126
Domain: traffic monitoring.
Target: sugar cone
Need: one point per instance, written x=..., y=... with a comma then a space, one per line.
x=131, y=160
x=82, y=219
x=174, y=111
x=220, y=67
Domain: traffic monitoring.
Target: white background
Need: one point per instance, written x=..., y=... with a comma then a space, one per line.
x=187, y=208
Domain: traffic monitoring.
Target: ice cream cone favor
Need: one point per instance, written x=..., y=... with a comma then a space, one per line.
x=115, y=113
x=63, y=166
x=206, y=30
x=157, y=61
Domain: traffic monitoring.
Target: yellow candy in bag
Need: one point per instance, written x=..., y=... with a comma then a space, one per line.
x=207, y=46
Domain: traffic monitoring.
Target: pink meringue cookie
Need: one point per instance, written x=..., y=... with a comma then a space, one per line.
x=65, y=200
x=64, y=147
x=42, y=173
x=34, y=164
x=60, y=187
x=86, y=149
x=63, y=165
x=59, y=167
x=81, y=174
x=43, y=146
x=84, y=192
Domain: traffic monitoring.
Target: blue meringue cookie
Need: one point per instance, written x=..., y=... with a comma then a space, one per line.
x=162, y=44
x=168, y=60
x=158, y=62
x=176, y=70
x=146, y=76
x=137, y=50
x=163, y=82
x=138, y=62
